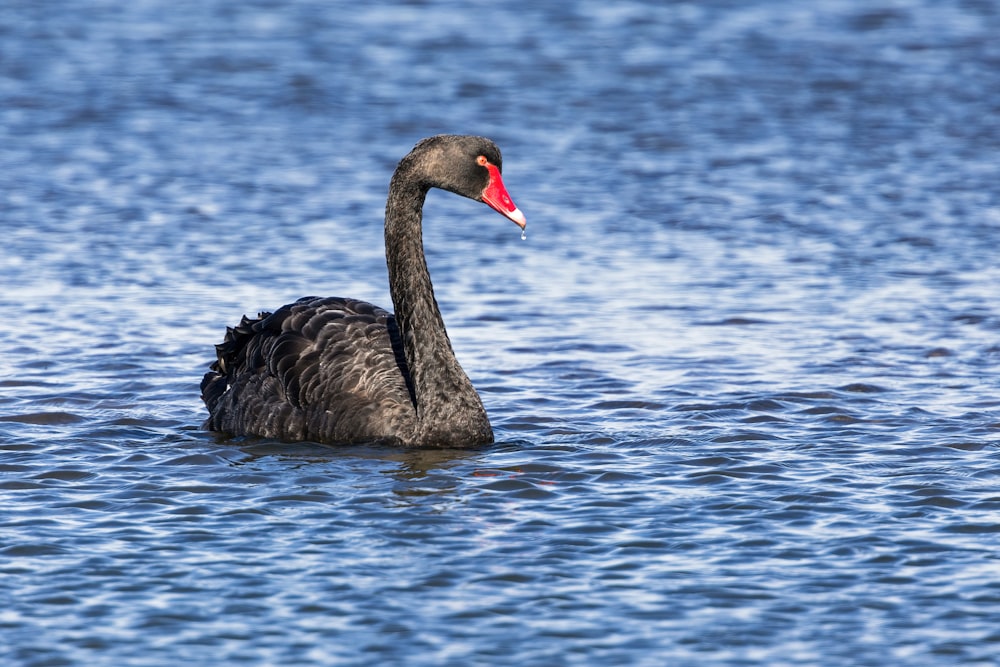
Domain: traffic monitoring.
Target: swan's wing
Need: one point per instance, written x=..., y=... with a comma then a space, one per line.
x=324, y=369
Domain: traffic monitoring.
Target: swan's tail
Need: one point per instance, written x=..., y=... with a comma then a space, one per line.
x=216, y=382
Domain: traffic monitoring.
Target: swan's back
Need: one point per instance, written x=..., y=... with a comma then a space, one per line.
x=321, y=369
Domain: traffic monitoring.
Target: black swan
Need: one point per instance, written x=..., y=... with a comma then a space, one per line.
x=336, y=370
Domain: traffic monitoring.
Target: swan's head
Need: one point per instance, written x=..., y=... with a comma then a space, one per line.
x=468, y=166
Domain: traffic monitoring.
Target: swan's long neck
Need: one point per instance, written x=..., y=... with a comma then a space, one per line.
x=448, y=407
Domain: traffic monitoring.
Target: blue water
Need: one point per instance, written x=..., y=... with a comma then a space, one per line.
x=744, y=372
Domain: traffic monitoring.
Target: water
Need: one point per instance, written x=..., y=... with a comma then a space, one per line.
x=743, y=376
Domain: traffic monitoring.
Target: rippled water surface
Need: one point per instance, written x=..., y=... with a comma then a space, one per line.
x=743, y=372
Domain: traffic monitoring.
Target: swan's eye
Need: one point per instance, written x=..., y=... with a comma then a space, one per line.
x=482, y=161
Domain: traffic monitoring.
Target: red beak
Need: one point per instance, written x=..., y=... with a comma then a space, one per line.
x=495, y=196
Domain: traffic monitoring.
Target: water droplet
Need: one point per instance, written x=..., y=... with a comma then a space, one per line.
x=524, y=235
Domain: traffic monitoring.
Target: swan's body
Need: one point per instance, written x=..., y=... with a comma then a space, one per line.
x=339, y=370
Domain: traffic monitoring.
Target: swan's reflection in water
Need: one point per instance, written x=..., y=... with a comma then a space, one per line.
x=414, y=471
